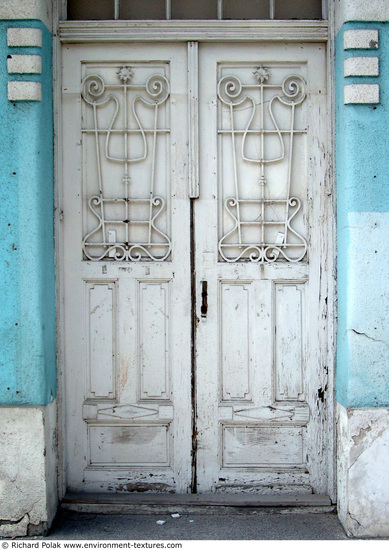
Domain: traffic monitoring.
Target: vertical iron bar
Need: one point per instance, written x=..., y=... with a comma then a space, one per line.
x=220, y=9
x=262, y=180
x=262, y=183
x=168, y=6
x=235, y=172
x=117, y=9
x=324, y=9
x=153, y=169
x=126, y=156
x=63, y=10
x=272, y=9
x=289, y=170
x=99, y=172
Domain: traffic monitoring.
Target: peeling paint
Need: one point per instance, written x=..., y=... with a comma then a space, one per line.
x=360, y=437
x=363, y=476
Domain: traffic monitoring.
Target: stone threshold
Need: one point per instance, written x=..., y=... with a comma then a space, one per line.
x=132, y=503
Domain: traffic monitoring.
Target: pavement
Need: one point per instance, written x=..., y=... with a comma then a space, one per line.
x=204, y=524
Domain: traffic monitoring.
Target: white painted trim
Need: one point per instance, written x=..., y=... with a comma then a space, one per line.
x=194, y=30
x=361, y=66
x=366, y=39
x=22, y=36
x=361, y=93
x=19, y=64
x=24, y=91
x=59, y=9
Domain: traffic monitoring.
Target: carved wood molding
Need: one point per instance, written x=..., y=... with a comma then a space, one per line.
x=194, y=30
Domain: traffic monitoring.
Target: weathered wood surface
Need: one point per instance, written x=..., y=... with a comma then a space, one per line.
x=263, y=382
x=197, y=500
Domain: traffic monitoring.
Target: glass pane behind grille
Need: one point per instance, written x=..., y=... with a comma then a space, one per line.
x=152, y=9
x=193, y=9
x=249, y=9
x=298, y=9
x=91, y=9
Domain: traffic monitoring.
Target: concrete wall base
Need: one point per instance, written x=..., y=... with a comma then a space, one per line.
x=28, y=470
x=363, y=474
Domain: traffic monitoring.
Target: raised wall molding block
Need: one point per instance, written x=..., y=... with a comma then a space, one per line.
x=24, y=37
x=361, y=66
x=24, y=64
x=361, y=93
x=19, y=64
x=364, y=39
x=24, y=91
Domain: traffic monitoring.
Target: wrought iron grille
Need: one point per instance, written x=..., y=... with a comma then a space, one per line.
x=257, y=160
x=126, y=226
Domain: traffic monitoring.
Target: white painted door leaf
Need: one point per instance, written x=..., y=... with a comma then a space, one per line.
x=253, y=420
x=127, y=315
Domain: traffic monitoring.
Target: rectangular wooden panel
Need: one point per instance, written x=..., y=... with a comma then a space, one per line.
x=288, y=351
x=250, y=446
x=153, y=339
x=128, y=445
x=235, y=340
x=101, y=339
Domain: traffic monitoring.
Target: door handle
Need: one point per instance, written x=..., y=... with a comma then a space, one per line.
x=204, y=298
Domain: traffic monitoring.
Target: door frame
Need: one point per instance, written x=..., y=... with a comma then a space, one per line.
x=65, y=32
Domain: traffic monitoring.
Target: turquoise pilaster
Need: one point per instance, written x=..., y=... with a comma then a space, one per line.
x=27, y=286
x=362, y=179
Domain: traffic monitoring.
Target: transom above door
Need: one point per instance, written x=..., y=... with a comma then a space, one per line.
x=193, y=282
x=191, y=9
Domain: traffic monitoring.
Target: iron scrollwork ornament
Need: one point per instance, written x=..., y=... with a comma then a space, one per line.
x=125, y=99
x=286, y=242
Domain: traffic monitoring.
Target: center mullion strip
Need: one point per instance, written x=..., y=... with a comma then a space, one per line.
x=193, y=121
x=193, y=191
x=193, y=348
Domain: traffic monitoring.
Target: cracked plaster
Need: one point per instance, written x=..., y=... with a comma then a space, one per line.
x=363, y=475
x=27, y=468
x=15, y=529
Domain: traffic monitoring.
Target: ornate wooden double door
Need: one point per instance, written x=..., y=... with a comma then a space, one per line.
x=195, y=267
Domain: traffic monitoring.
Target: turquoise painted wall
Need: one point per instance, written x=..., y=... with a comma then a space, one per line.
x=362, y=178
x=27, y=309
